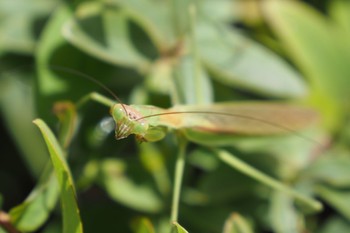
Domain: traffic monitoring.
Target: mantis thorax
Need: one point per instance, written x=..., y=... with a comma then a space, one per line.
x=128, y=122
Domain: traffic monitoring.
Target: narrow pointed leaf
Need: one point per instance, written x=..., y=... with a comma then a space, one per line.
x=71, y=216
x=179, y=228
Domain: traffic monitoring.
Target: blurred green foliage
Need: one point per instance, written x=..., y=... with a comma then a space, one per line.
x=155, y=52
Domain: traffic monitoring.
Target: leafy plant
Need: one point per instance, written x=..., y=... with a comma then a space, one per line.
x=174, y=53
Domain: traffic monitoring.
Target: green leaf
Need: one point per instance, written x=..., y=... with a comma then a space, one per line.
x=36, y=209
x=179, y=228
x=19, y=22
x=237, y=224
x=105, y=33
x=318, y=47
x=155, y=18
x=125, y=190
x=153, y=161
x=159, y=78
x=331, y=169
x=339, y=199
x=283, y=214
x=71, y=216
x=237, y=61
x=191, y=83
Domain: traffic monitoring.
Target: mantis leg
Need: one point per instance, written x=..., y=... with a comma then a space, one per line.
x=97, y=98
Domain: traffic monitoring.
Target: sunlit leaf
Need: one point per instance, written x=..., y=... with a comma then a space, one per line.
x=19, y=23
x=318, y=48
x=237, y=61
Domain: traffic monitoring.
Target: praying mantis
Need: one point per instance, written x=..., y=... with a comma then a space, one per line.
x=148, y=122
x=208, y=125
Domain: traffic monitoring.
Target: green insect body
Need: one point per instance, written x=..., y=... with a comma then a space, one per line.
x=249, y=119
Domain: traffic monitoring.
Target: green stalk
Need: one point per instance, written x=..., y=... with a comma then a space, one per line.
x=179, y=171
x=95, y=97
x=259, y=176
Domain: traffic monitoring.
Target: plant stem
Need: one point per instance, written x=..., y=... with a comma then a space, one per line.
x=95, y=97
x=257, y=175
x=179, y=170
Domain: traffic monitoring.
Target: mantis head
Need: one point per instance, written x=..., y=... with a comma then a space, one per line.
x=127, y=122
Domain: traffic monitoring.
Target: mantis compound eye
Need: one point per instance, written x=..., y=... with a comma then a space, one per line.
x=140, y=128
x=118, y=112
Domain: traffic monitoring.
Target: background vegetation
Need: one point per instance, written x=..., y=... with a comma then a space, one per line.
x=157, y=52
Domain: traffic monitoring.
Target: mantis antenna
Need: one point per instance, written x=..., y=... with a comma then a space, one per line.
x=92, y=79
x=83, y=75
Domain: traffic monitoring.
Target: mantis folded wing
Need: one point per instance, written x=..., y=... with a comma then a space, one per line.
x=250, y=118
